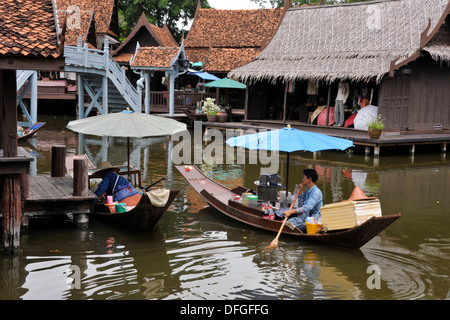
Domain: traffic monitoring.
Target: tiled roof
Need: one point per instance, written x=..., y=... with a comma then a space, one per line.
x=151, y=34
x=99, y=10
x=27, y=27
x=227, y=39
x=222, y=59
x=165, y=37
x=154, y=57
x=232, y=28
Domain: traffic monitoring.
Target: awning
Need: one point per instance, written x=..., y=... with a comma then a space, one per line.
x=204, y=75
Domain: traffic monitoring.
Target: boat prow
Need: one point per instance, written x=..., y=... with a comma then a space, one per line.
x=222, y=198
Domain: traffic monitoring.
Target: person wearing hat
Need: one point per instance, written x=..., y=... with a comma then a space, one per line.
x=312, y=201
x=115, y=185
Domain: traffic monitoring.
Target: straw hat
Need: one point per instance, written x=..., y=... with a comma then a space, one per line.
x=104, y=166
x=358, y=194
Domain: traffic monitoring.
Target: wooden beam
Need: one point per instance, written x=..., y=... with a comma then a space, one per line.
x=8, y=113
x=32, y=63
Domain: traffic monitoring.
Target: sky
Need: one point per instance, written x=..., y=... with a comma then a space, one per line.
x=232, y=4
x=229, y=4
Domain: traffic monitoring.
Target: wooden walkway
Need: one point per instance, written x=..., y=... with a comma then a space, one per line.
x=359, y=137
x=54, y=195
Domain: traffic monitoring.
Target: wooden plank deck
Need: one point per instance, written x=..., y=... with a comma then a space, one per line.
x=359, y=137
x=54, y=195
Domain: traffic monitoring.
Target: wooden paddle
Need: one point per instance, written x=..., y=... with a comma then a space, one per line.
x=148, y=187
x=274, y=242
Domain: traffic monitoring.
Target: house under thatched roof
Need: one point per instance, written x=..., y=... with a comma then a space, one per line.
x=356, y=41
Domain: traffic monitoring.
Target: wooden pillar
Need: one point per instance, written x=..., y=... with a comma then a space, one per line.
x=58, y=165
x=246, y=104
x=80, y=88
x=11, y=207
x=80, y=177
x=8, y=113
x=285, y=102
x=328, y=104
x=80, y=187
x=10, y=190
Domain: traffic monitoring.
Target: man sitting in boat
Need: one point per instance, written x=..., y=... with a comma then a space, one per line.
x=312, y=201
x=115, y=185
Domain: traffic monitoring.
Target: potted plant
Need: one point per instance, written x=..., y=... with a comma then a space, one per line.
x=375, y=127
x=222, y=115
x=210, y=109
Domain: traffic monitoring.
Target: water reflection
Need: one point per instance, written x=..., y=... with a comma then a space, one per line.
x=197, y=254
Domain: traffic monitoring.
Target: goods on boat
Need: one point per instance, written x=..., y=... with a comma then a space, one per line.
x=227, y=202
x=350, y=213
x=28, y=133
x=145, y=215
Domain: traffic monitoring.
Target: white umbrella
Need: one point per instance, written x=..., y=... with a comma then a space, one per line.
x=127, y=124
x=365, y=116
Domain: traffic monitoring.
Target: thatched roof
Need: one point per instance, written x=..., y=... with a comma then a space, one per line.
x=356, y=41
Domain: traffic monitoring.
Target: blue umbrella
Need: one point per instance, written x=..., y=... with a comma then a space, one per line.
x=289, y=140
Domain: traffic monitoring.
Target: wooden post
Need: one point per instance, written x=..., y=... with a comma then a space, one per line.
x=10, y=191
x=285, y=102
x=58, y=166
x=328, y=104
x=8, y=113
x=246, y=104
x=80, y=177
x=11, y=207
x=80, y=188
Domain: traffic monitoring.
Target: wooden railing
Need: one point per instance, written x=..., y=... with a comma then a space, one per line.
x=183, y=99
x=99, y=61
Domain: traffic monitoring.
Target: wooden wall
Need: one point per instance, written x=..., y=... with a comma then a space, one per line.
x=417, y=98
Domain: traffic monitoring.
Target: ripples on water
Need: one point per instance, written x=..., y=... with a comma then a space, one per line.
x=196, y=254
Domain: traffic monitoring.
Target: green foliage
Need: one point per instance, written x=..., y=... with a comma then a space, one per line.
x=376, y=123
x=158, y=12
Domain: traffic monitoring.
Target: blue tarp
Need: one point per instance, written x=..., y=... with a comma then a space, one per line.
x=204, y=75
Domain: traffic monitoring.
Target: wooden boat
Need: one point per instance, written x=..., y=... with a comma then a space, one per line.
x=29, y=132
x=222, y=198
x=143, y=216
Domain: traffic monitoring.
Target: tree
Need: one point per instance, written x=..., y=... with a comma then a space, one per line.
x=158, y=12
x=280, y=3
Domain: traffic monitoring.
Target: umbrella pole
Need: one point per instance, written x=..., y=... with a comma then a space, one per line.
x=128, y=155
x=287, y=175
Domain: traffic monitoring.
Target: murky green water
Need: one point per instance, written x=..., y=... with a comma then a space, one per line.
x=196, y=254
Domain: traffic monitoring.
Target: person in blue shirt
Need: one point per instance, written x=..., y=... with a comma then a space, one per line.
x=309, y=204
x=115, y=185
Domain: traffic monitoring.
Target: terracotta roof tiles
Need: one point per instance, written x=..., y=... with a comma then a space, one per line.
x=154, y=57
x=232, y=28
x=27, y=27
x=227, y=39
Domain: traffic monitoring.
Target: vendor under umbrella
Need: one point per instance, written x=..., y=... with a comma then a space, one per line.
x=115, y=185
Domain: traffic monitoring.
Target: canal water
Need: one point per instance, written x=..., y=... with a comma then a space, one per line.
x=196, y=254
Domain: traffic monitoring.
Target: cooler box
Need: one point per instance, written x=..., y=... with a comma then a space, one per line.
x=349, y=214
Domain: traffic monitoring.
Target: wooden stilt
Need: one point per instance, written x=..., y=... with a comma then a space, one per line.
x=58, y=165
x=80, y=188
x=11, y=207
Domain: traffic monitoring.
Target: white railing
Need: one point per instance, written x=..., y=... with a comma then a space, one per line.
x=99, y=61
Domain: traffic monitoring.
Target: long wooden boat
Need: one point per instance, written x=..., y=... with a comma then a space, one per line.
x=144, y=215
x=222, y=198
x=28, y=133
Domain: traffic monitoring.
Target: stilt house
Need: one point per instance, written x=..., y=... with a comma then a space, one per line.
x=398, y=49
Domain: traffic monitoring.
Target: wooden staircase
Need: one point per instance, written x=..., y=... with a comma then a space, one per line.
x=102, y=80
